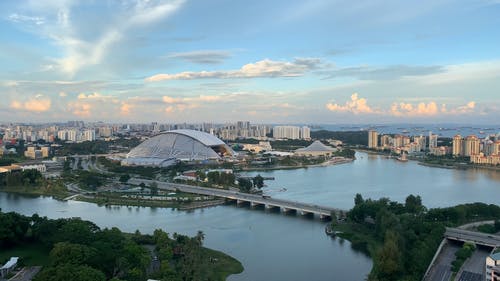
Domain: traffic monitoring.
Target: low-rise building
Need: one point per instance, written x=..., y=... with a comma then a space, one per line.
x=9, y=266
x=317, y=148
x=493, y=267
x=483, y=159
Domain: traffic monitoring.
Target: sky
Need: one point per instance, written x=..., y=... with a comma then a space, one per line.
x=282, y=61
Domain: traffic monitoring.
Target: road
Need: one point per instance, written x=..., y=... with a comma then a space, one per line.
x=26, y=274
x=472, y=236
x=230, y=194
x=441, y=270
x=473, y=268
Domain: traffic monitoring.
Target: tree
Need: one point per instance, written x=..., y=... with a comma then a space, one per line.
x=200, y=236
x=388, y=258
x=358, y=199
x=124, y=178
x=245, y=185
x=154, y=188
x=68, y=253
x=258, y=181
x=413, y=204
x=70, y=272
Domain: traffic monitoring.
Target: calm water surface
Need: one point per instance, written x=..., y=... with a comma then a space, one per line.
x=272, y=246
x=375, y=176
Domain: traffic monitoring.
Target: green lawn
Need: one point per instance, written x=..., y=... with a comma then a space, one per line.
x=222, y=265
x=30, y=254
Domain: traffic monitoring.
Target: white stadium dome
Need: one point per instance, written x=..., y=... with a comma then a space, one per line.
x=184, y=145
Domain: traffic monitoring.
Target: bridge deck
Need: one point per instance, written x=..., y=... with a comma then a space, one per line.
x=251, y=198
x=471, y=236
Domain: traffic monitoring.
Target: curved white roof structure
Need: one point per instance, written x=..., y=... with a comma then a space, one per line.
x=185, y=145
x=315, y=149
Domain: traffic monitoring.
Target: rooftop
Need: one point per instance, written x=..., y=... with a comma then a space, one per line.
x=495, y=256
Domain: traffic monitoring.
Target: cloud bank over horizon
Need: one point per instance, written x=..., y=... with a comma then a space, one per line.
x=280, y=62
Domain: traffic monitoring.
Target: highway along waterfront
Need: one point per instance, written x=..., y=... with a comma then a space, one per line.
x=274, y=246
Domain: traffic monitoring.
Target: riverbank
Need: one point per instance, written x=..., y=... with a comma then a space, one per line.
x=44, y=242
x=452, y=165
x=323, y=164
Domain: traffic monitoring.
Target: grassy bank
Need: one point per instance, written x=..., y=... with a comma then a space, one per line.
x=222, y=265
x=31, y=254
x=32, y=191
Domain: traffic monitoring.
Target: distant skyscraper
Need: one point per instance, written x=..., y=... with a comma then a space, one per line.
x=471, y=145
x=458, y=146
x=89, y=135
x=372, y=139
x=286, y=132
x=305, y=133
x=433, y=140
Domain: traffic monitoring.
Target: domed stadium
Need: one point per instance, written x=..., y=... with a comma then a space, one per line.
x=169, y=147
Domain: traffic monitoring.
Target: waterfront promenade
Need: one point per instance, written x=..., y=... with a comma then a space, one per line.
x=254, y=200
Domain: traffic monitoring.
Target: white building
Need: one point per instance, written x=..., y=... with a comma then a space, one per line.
x=39, y=167
x=493, y=267
x=8, y=267
x=305, y=133
x=89, y=135
x=286, y=132
x=72, y=135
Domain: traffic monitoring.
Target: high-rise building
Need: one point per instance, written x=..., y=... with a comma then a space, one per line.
x=458, y=146
x=305, y=133
x=433, y=140
x=398, y=141
x=286, y=132
x=420, y=141
x=471, y=145
x=62, y=135
x=372, y=139
x=385, y=141
x=89, y=135
x=72, y=135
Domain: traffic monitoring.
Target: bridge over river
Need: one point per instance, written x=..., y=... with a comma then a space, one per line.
x=254, y=200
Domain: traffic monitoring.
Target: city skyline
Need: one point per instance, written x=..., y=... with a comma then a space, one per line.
x=289, y=62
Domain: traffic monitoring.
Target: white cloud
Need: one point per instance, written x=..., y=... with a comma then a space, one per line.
x=263, y=68
x=80, y=48
x=356, y=105
x=408, y=109
x=26, y=19
x=36, y=104
x=359, y=105
x=80, y=109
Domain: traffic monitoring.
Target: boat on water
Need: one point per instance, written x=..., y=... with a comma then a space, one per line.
x=402, y=158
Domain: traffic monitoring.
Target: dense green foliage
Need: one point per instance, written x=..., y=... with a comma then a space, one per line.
x=402, y=238
x=346, y=152
x=21, y=178
x=289, y=144
x=96, y=147
x=142, y=171
x=245, y=185
x=80, y=250
x=461, y=255
x=348, y=137
x=221, y=178
x=490, y=228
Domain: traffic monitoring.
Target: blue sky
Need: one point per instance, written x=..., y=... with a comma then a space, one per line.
x=263, y=61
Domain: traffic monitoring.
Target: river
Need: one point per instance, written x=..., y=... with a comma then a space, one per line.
x=273, y=246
